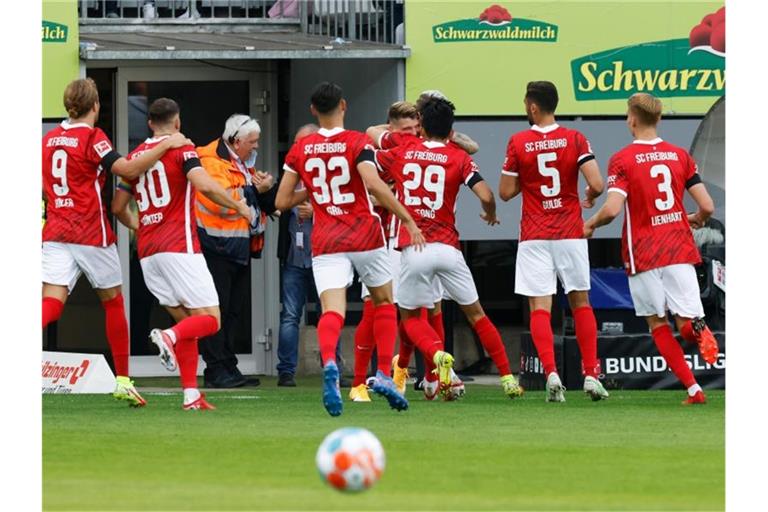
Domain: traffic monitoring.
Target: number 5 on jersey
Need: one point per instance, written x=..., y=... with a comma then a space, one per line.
x=549, y=172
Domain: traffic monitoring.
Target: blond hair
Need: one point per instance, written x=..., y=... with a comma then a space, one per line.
x=646, y=107
x=402, y=109
x=80, y=96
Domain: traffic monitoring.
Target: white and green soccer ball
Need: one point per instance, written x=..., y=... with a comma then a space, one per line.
x=350, y=459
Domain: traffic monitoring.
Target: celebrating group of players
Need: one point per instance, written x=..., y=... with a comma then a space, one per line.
x=413, y=170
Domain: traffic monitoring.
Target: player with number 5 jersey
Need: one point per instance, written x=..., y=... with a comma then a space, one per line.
x=544, y=163
x=648, y=179
x=77, y=236
x=347, y=235
x=169, y=251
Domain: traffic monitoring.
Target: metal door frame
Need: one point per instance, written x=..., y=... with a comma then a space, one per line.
x=265, y=282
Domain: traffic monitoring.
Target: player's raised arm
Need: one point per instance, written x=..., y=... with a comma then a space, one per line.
x=133, y=168
x=211, y=189
x=384, y=196
x=376, y=132
x=465, y=142
x=120, y=202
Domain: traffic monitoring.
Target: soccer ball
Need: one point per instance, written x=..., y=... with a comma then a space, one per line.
x=350, y=459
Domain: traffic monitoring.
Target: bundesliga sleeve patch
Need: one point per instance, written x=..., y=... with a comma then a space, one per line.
x=102, y=148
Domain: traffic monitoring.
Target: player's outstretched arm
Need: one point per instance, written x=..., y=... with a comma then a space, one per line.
x=384, y=196
x=211, y=189
x=120, y=202
x=133, y=168
x=287, y=195
x=591, y=172
x=605, y=215
x=465, y=142
x=375, y=133
x=487, y=202
x=704, y=201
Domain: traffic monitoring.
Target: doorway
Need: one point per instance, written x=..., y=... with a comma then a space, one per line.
x=206, y=96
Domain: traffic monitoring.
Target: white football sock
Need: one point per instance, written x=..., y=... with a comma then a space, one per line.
x=190, y=395
x=693, y=389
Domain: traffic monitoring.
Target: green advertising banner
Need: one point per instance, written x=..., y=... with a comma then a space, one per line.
x=598, y=53
x=61, y=60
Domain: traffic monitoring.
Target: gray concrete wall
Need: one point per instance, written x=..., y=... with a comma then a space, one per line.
x=606, y=137
x=370, y=86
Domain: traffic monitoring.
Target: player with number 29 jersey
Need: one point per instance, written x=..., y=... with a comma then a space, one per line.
x=429, y=175
x=546, y=160
x=165, y=199
x=652, y=176
x=344, y=217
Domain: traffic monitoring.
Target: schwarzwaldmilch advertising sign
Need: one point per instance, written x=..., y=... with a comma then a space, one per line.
x=598, y=53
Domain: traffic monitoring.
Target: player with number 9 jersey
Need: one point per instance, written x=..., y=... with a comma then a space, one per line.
x=76, y=160
x=165, y=200
x=326, y=162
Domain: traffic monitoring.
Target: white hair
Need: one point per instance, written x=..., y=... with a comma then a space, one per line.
x=433, y=94
x=239, y=126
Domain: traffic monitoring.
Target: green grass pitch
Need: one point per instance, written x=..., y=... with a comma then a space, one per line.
x=639, y=450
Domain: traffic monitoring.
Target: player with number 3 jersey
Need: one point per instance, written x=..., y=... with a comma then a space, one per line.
x=347, y=234
x=648, y=179
x=77, y=237
x=169, y=251
x=543, y=163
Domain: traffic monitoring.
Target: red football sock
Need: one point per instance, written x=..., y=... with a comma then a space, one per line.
x=364, y=343
x=586, y=337
x=491, y=341
x=543, y=338
x=186, y=356
x=196, y=326
x=328, y=330
x=385, y=332
x=406, y=347
x=436, y=321
x=686, y=331
x=117, y=333
x=670, y=349
x=424, y=337
x=52, y=309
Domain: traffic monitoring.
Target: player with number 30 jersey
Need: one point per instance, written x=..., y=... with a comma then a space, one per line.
x=173, y=267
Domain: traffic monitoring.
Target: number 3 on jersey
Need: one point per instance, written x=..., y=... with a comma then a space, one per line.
x=324, y=193
x=665, y=187
x=549, y=172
